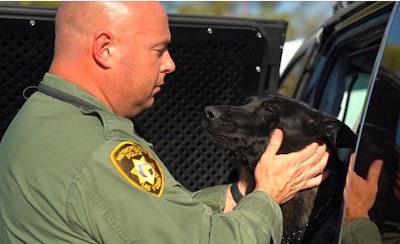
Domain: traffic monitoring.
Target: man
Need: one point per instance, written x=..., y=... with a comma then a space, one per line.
x=74, y=170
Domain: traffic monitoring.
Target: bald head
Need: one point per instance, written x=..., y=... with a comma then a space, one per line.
x=103, y=47
x=76, y=22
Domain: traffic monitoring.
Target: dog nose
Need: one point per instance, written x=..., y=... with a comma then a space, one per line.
x=212, y=112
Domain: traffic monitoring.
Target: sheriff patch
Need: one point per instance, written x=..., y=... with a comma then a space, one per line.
x=138, y=166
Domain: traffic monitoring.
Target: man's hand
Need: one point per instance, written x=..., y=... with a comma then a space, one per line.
x=283, y=175
x=362, y=193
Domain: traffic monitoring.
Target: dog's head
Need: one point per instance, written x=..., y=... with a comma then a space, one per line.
x=246, y=129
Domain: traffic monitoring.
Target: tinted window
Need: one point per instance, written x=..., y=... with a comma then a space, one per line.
x=344, y=73
x=380, y=135
x=337, y=78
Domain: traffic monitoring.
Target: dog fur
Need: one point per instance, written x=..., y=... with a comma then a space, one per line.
x=245, y=130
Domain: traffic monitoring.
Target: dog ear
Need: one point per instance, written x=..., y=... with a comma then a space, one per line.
x=327, y=129
x=336, y=132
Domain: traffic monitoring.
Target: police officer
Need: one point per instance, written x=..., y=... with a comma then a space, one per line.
x=73, y=170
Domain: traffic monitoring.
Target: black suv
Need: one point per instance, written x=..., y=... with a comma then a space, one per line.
x=350, y=68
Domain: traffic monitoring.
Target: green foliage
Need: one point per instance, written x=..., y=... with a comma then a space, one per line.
x=40, y=3
x=205, y=8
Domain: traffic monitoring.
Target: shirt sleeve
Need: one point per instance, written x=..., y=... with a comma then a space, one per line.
x=257, y=217
x=361, y=230
x=106, y=206
x=127, y=214
x=214, y=197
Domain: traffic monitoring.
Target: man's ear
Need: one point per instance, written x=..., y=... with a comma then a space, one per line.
x=102, y=47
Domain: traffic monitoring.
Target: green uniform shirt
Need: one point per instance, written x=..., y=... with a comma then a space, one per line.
x=364, y=231
x=75, y=175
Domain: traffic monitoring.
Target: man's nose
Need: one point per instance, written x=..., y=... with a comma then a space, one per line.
x=168, y=65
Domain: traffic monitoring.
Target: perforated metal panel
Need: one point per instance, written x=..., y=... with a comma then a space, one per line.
x=218, y=62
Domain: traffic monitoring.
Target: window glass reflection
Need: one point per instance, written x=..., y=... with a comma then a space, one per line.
x=380, y=138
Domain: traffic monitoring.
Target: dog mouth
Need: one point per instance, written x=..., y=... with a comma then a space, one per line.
x=224, y=133
x=231, y=142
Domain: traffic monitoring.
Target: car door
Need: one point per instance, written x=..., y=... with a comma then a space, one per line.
x=219, y=61
x=334, y=70
x=379, y=132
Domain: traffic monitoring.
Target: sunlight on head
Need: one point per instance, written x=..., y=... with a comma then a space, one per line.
x=115, y=11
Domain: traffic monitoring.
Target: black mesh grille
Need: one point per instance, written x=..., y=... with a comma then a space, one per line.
x=215, y=65
x=178, y=136
x=25, y=54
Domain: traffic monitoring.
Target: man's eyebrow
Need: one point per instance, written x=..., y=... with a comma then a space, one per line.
x=162, y=44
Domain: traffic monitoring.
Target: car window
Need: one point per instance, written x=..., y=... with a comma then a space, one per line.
x=343, y=87
x=335, y=76
x=356, y=86
x=380, y=133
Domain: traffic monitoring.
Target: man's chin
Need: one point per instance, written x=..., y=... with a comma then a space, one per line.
x=139, y=108
x=149, y=103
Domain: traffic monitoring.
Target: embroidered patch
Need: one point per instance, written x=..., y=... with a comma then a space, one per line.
x=137, y=165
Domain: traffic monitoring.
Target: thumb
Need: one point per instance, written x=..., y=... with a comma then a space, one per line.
x=374, y=171
x=274, y=143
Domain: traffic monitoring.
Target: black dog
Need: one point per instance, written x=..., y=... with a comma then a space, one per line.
x=245, y=130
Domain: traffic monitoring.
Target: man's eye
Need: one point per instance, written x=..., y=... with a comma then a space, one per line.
x=160, y=51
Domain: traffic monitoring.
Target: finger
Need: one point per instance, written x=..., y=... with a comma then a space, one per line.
x=321, y=155
x=318, y=166
x=348, y=177
x=306, y=156
x=318, y=159
x=315, y=181
x=351, y=162
x=323, y=162
x=350, y=169
x=274, y=143
x=374, y=171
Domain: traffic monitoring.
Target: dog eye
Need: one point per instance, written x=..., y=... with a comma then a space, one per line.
x=270, y=108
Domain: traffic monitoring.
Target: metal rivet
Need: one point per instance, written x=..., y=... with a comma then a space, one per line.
x=258, y=69
x=259, y=35
x=209, y=30
x=32, y=22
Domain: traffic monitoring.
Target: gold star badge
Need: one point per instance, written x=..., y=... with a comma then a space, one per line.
x=143, y=171
x=137, y=166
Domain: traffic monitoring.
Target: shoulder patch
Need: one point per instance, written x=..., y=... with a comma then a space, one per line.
x=138, y=166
